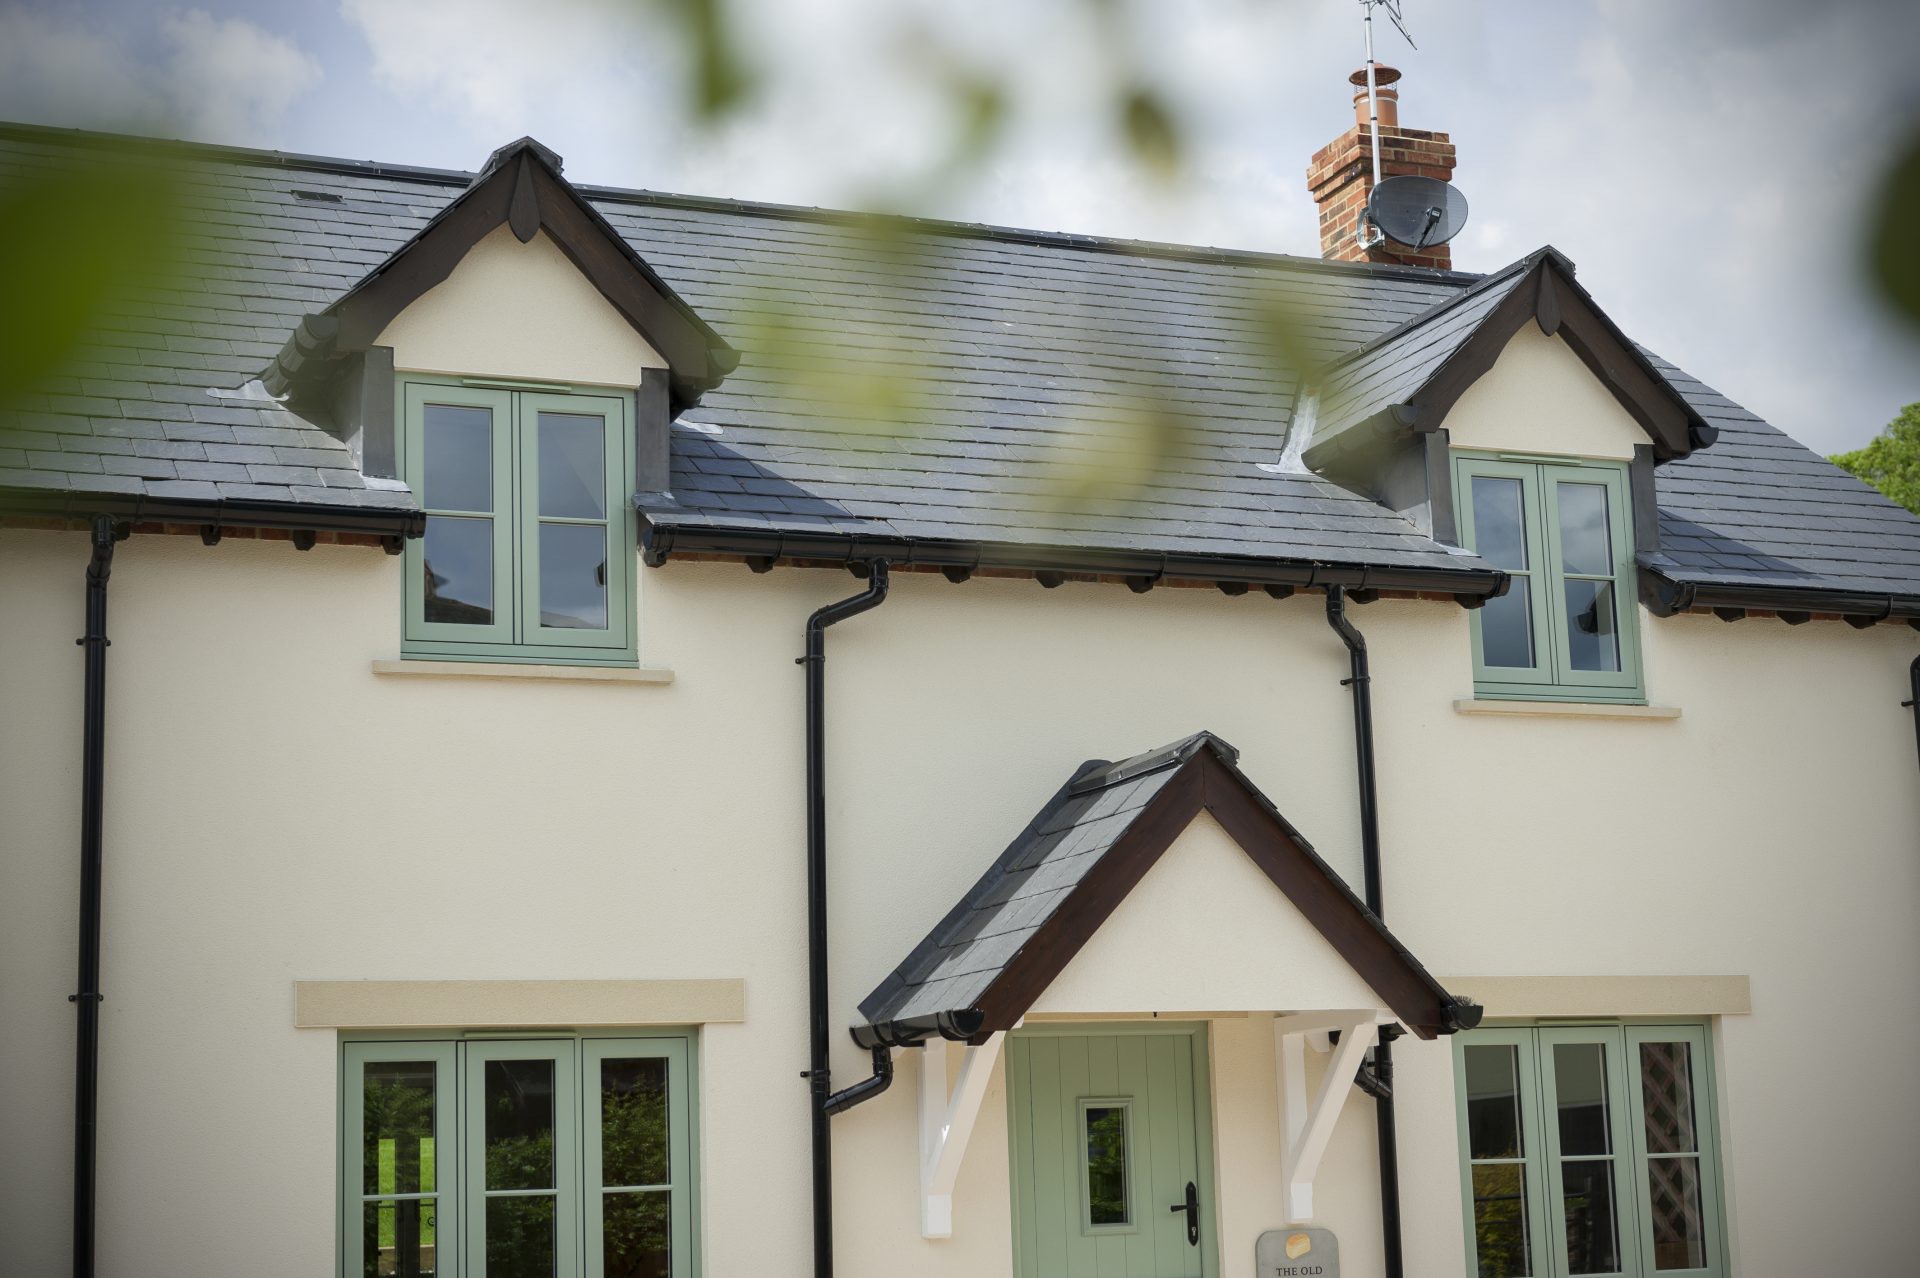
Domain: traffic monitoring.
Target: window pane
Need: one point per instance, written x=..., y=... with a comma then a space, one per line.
x=397, y=1134
x=397, y=1239
x=458, y=565
x=1592, y=643
x=1580, y=1096
x=520, y=1237
x=1679, y=1240
x=1586, y=540
x=573, y=466
x=637, y=1234
x=1500, y=1236
x=1506, y=628
x=459, y=458
x=1499, y=522
x=573, y=576
x=1666, y=1090
x=1587, y=1196
x=519, y=1106
x=1493, y=1102
x=633, y=1122
x=1106, y=1164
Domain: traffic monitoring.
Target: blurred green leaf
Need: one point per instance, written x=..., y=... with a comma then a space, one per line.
x=1893, y=245
x=1151, y=131
x=1891, y=462
x=71, y=239
x=722, y=80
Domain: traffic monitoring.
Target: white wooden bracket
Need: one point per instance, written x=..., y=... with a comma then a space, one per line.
x=1306, y=1128
x=946, y=1123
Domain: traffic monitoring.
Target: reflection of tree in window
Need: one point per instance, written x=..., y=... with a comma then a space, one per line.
x=637, y=1226
x=1106, y=1165
x=397, y=1157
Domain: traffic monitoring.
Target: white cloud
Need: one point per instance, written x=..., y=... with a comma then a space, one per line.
x=221, y=79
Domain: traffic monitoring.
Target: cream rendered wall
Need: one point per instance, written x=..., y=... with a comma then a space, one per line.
x=1539, y=398
x=417, y=829
x=519, y=310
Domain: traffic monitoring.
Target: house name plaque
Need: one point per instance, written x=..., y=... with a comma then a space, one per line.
x=1299, y=1252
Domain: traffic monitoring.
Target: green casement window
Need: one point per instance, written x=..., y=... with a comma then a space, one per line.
x=1567, y=627
x=1589, y=1150
x=529, y=549
x=571, y=1157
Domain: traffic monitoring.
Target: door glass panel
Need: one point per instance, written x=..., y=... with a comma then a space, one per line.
x=1592, y=1236
x=398, y=1128
x=519, y=1104
x=1499, y=522
x=1586, y=538
x=573, y=466
x=459, y=458
x=1501, y=1236
x=1666, y=1089
x=1493, y=1101
x=637, y=1233
x=573, y=576
x=520, y=1236
x=1580, y=1096
x=1106, y=1164
x=397, y=1239
x=633, y=1122
x=458, y=569
x=1506, y=628
x=1592, y=639
x=1679, y=1235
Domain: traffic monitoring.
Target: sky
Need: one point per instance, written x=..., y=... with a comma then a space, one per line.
x=1706, y=163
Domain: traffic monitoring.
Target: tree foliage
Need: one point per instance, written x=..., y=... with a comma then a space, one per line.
x=1891, y=462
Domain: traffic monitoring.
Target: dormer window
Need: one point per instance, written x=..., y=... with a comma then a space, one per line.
x=1567, y=627
x=529, y=549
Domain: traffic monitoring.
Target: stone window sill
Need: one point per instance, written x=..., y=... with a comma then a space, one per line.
x=1562, y=709
x=424, y=668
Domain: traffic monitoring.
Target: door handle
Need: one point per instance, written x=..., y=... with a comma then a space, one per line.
x=1192, y=1208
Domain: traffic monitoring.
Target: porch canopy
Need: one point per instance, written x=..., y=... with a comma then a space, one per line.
x=1001, y=951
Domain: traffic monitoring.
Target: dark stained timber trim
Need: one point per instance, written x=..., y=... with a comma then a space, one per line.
x=1206, y=783
x=661, y=542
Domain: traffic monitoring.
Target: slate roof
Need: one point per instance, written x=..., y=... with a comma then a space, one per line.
x=1029, y=354
x=947, y=984
x=1390, y=368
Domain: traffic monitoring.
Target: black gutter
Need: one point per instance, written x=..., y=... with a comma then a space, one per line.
x=1380, y=1084
x=821, y=1102
x=1666, y=597
x=661, y=542
x=226, y=512
x=93, y=736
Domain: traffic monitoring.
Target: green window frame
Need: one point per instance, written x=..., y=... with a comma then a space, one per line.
x=510, y=530
x=1590, y=1149
x=1568, y=628
x=442, y=1173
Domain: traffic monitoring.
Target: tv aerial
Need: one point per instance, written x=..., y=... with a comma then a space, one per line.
x=1419, y=212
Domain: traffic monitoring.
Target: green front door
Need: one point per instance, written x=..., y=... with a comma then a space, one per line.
x=1112, y=1154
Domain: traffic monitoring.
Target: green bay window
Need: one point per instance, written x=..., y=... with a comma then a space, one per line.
x=1566, y=628
x=506, y=1158
x=1589, y=1150
x=529, y=547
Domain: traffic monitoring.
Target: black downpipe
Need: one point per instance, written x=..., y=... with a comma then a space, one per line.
x=86, y=1063
x=1360, y=681
x=1913, y=676
x=819, y=1077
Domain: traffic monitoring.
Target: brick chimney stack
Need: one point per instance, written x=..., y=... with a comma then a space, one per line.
x=1341, y=175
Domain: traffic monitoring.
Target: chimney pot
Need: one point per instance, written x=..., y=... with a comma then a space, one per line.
x=1340, y=175
x=1389, y=98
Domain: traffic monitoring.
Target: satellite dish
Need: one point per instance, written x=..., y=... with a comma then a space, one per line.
x=1419, y=212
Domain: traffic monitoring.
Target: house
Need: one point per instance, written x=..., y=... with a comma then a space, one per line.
x=1441, y=805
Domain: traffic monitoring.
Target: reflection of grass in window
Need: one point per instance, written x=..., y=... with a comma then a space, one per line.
x=388, y=1179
